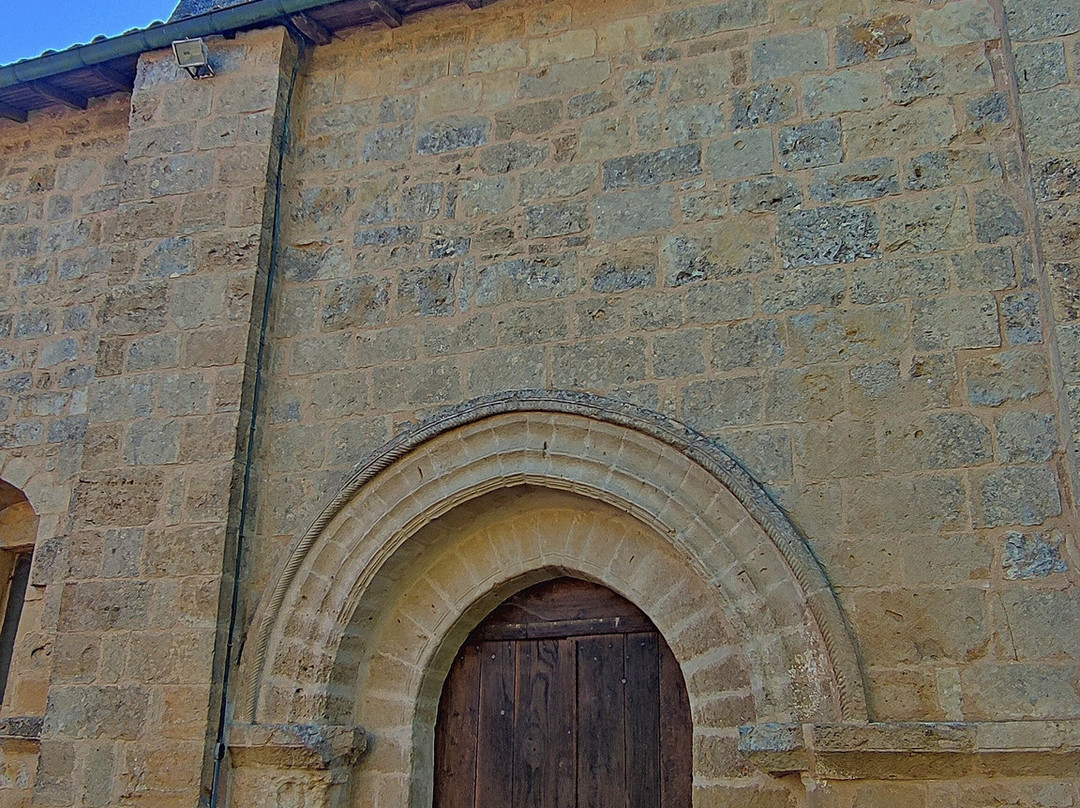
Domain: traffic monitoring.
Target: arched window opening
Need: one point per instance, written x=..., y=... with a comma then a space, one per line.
x=566, y=695
x=18, y=529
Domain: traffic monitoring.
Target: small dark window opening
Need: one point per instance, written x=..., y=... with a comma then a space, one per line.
x=16, y=578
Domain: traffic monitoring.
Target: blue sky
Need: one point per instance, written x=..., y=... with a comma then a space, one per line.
x=31, y=26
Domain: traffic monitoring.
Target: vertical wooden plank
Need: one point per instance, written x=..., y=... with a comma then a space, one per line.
x=544, y=729
x=642, y=720
x=455, y=733
x=676, y=735
x=495, y=726
x=601, y=765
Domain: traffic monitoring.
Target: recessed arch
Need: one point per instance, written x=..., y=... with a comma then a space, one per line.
x=447, y=520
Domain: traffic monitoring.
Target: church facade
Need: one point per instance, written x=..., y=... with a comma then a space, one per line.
x=750, y=326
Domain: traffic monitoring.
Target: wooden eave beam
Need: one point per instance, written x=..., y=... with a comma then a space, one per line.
x=12, y=113
x=59, y=95
x=385, y=12
x=312, y=30
x=112, y=77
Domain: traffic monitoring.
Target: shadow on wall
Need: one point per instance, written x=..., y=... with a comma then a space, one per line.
x=18, y=529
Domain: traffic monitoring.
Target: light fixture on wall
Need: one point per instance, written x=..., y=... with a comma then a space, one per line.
x=192, y=55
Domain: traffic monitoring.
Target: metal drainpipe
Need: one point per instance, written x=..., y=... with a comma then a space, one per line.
x=220, y=745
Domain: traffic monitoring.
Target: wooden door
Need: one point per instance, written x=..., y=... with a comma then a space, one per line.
x=566, y=696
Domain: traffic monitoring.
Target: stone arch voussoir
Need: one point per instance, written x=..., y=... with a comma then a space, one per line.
x=707, y=530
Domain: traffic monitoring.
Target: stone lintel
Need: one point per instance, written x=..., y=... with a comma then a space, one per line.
x=313, y=747
x=915, y=750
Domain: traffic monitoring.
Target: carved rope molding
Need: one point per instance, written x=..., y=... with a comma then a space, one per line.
x=838, y=638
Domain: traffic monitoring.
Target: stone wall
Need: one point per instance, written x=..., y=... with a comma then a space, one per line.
x=838, y=237
x=802, y=229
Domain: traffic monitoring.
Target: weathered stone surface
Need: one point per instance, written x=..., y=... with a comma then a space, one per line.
x=853, y=181
x=788, y=54
x=997, y=216
x=1041, y=19
x=955, y=322
x=934, y=222
x=652, y=168
x=834, y=336
x=1022, y=318
x=630, y=213
x=958, y=23
x=757, y=343
x=527, y=279
x=810, y=145
x=765, y=194
x=695, y=22
x=828, y=235
x=882, y=281
x=1031, y=555
x=884, y=37
x=1008, y=376
x=743, y=155
x=763, y=104
x=984, y=269
x=1018, y=495
x=622, y=272
x=940, y=168
x=450, y=134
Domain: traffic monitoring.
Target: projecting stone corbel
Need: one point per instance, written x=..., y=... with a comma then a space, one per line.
x=915, y=750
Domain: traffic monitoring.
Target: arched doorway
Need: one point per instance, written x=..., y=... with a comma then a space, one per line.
x=565, y=695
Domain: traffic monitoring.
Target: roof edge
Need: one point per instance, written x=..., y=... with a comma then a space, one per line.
x=155, y=37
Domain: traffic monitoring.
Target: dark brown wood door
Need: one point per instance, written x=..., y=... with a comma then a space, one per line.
x=566, y=696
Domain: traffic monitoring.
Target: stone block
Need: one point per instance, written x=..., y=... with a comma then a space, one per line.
x=765, y=194
x=589, y=103
x=800, y=395
x=604, y=137
x=958, y=23
x=388, y=143
x=884, y=37
x=997, y=216
x=857, y=180
x=1018, y=495
x=82, y=711
x=1022, y=318
x=986, y=269
x=1056, y=178
x=564, y=77
x=762, y=105
x=864, y=333
x=883, y=281
x=1026, y=437
x=691, y=23
x=599, y=364
x=694, y=122
x=810, y=145
x=597, y=316
x=1044, y=624
x=115, y=605
x=556, y=219
x=666, y=165
x=336, y=395
x=1019, y=691
x=938, y=169
x=744, y=155
x=903, y=505
x=837, y=449
x=499, y=370
x=565, y=181
x=486, y=197
x=908, y=630
x=1006, y=377
x=532, y=119
x=678, y=355
x=531, y=324
x=802, y=289
x=452, y=133
x=718, y=403
x=1040, y=65
x=1051, y=119
x=719, y=301
x=422, y=201
x=152, y=442
x=891, y=130
x=1041, y=19
x=752, y=344
x=828, y=235
x=627, y=271
x=355, y=302
x=937, y=221
x=939, y=441
x=1032, y=555
x=789, y=54
x=523, y=279
x=630, y=213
